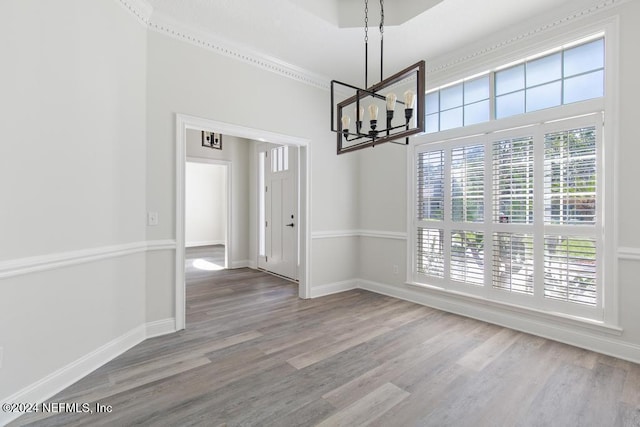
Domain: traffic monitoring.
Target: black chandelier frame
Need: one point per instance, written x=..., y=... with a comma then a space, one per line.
x=390, y=133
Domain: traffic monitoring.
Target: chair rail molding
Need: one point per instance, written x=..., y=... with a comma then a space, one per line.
x=379, y=234
x=20, y=266
x=629, y=254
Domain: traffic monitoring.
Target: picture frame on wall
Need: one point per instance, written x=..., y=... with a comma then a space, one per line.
x=212, y=140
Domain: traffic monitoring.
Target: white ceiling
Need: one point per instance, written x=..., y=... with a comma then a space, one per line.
x=327, y=36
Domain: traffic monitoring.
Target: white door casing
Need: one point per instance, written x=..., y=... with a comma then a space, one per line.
x=303, y=146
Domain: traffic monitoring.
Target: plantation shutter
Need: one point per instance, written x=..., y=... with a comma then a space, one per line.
x=570, y=200
x=467, y=184
x=430, y=210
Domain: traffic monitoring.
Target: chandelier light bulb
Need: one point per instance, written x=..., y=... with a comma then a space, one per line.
x=409, y=99
x=391, y=101
x=373, y=112
x=359, y=113
x=346, y=121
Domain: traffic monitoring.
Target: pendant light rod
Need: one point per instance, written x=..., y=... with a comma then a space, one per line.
x=381, y=37
x=366, y=43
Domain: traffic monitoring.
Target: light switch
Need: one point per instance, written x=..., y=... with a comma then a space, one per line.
x=152, y=218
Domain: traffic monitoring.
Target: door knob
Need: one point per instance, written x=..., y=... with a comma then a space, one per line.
x=290, y=225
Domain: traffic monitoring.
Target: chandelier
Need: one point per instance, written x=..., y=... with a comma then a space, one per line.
x=410, y=83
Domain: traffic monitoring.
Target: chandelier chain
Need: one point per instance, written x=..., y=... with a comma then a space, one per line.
x=381, y=18
x=366, y=21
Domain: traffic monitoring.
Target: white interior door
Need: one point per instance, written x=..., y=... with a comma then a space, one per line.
x=278, y=166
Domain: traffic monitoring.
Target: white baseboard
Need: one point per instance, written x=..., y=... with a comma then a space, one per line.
x=57, y=381
x=240, y=264
x=579, y=337
x=204, y=243
x=333, y=288
x=160, y=327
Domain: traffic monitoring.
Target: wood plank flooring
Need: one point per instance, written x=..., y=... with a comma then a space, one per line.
x=253, y=354
x=210, y=257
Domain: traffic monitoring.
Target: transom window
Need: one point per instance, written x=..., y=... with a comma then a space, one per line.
x=462, y=104
x=566, y=75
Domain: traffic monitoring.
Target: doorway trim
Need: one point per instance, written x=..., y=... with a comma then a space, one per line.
x=184, y=122
x=228, y=223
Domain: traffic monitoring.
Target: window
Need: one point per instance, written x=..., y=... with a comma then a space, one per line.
x=570, y=75
x=280, y=159
x=462, y=104
x=566, y=75
x=514, y=215
x=511, y=211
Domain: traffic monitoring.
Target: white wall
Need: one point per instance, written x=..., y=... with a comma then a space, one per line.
x=237, y=151
x=383, y=183
x=188, y=79
x=205, y=204
x=90, y=97
x=72, y=179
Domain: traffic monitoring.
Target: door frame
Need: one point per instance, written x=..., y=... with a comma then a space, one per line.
x=184, y=122
x=226, y=164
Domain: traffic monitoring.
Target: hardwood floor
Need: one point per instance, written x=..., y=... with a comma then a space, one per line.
x=200, y=261
x=253, y=354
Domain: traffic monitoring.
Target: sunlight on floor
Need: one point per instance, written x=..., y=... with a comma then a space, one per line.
x=202, y=264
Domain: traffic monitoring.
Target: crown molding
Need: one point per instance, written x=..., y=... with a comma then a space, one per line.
x=556, y=23
x=168, y=26
x=141, y=9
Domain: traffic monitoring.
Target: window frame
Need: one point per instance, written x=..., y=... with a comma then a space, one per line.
x=587, y=113
x=608, y=320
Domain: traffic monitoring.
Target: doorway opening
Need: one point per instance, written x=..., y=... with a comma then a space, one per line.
x=186, y=123
x=207, y=215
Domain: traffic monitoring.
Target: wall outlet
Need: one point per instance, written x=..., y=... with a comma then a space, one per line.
x=395, y=269
x=152, y=218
